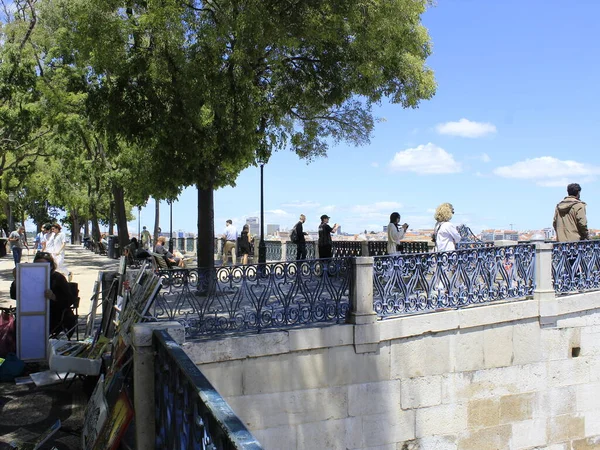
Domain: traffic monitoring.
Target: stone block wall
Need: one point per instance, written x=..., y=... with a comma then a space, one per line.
x=488, y=377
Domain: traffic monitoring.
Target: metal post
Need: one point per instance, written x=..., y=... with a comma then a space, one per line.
x=139, y=230
x=262, y=248
x=171, y=226
x=11, y=221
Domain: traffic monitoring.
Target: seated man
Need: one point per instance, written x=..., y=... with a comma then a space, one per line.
x=161, y=250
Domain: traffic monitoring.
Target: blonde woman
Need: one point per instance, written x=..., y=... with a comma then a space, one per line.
x=445, y=234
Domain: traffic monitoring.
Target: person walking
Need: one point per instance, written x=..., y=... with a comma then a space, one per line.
x=59, y=243
x=300, y=239
x=18, y=240
x=245, y=243
x=445, y=234
x=570, y=221
x=230, y=237
x=146, y=239
x=325, y=243
x=395, y=234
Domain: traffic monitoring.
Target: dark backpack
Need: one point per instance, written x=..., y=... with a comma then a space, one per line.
x=294, y=234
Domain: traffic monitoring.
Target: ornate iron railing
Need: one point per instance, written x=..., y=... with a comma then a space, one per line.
x=190, y=413
x=405, y=284
x=408, y=247
x=481, y=244
x=273, y=250
x=346, y=248
x=255, y=297
x=291, y=250
x=576, y=266
x=377, y=248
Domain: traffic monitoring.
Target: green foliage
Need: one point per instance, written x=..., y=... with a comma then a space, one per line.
x=209, y=87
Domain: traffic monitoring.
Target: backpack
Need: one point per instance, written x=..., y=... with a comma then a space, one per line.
x=294, y=234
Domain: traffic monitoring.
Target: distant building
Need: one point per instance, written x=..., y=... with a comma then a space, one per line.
x=272, y=229
x=385, y=228
x=499, y=235
x=253, y=223
x=339, y=231
x=548, y=233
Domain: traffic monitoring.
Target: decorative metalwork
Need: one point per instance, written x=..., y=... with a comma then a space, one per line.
x=255, y=297
x=405, y=284
x=377, y=248
x=273, y=250
x=347, y=248
x=291, y=250
x=189, y=244
x=576, y=266
x=469, y=240
x=178, y=297
x=408, y=247
x=190, y=413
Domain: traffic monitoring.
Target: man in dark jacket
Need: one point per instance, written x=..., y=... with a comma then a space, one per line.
x=301, y=240
x=570, y=221
x=325, y=243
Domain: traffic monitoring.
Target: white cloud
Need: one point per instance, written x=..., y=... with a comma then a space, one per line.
x=278, y=212
x=328, y=209
x=425, y=159
x=301, y=204
x=374, y=164
x=549, y=171
x=485, y=158
x=466, y=128
x=377, y=206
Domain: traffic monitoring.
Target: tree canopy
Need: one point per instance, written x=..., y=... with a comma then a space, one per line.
x=208, y=88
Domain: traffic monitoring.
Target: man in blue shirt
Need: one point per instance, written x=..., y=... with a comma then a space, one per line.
x=230, y=238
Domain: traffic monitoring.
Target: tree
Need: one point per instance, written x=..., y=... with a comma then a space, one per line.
x=210, y=87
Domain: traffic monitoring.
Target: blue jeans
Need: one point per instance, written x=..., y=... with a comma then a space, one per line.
x=17, y=252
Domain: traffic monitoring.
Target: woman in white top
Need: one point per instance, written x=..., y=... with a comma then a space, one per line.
x=445, y=234
x=395, y=233
x=58, y=249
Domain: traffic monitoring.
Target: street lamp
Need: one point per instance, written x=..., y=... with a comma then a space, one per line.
x=139, y=230
x=11, y=199
x=262, y=248
x=170, y=225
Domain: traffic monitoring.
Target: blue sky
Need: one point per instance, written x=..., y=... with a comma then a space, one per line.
x=514, y=120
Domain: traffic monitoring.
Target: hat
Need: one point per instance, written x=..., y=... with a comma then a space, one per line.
x=324, y=216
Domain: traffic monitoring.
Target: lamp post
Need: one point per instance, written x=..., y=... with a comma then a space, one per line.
x=170, y=225
x=262, y=248
x=139, y=229
x=11, y=199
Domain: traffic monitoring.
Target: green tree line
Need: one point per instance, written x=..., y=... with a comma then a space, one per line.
x=100, y=98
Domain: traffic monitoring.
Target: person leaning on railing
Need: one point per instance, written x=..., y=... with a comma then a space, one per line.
x=445, y=235
x=570, y=221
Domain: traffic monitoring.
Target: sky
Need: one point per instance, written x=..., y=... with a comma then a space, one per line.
x=514, y=120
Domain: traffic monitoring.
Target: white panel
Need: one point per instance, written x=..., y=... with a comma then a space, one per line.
x=32, y=311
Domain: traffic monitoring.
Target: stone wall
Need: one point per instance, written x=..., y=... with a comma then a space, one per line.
x=504, y=376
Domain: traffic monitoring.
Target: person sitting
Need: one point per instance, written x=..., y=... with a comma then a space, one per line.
x=161, y=250
x=62, y=318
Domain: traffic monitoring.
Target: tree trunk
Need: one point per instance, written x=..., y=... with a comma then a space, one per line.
x=75, y=228
x=95, y=225
x=111, y=215
x=86, y=228
x=119, y=197
x=156, y=219
x=206, y=228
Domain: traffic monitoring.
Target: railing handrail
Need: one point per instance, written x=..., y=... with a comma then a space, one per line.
x=231, y=429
